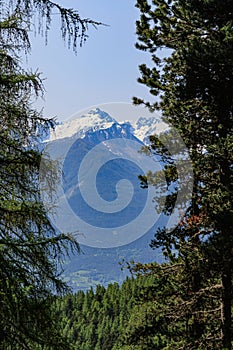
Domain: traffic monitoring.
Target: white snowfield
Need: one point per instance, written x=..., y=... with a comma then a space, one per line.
x=97, y=119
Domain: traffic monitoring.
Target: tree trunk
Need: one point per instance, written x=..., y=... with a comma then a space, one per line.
x=226, y=303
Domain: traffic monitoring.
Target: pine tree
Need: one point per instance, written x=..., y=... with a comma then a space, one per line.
x=193, y=86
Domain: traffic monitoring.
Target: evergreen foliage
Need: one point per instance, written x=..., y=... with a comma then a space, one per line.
x=193, y=86
x=105, y=318
x=152, y=310
x=30, y=249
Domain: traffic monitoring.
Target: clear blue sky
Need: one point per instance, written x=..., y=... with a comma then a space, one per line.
x=105, y=68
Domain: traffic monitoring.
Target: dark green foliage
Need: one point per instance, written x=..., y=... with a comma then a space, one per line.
x=30, y=250
x=151, y=311
x=104, y=319
x=193, y=85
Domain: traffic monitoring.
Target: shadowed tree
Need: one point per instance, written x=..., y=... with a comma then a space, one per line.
x=193, y=89
x=30, y=250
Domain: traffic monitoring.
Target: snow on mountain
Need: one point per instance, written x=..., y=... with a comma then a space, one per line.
x=75, y=214
x=92, y=121
x=97, y=119
x=144, y=127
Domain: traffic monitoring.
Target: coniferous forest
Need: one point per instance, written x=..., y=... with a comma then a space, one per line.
x=183, y=303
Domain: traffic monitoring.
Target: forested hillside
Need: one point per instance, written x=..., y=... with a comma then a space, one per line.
x=95, y=320
x=148, y=312
x=108, y=318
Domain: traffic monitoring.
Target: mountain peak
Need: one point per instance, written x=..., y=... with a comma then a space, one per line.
x=95, y=119
x=99, y=114
x=144, y=127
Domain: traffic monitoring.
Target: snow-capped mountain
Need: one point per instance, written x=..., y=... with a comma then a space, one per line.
x=122, y=207
x=109, y=152
x=92, y=121
x=97, y=119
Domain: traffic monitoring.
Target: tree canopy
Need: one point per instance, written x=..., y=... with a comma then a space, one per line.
x=192, y=86
x=31, y=251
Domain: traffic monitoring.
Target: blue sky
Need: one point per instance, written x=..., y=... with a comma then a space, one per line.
x=105, y=69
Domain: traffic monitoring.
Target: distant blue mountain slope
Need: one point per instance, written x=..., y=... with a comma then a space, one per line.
x=98, y=138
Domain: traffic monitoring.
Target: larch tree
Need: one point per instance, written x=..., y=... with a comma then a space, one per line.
x=193, y=88
x=30, y=249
